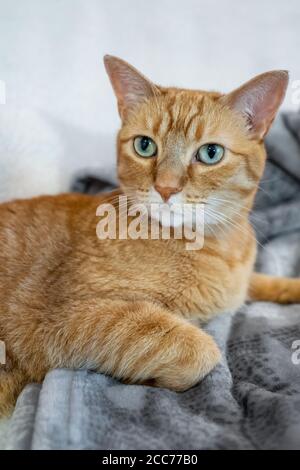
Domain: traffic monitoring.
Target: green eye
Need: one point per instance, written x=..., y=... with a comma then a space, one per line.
x=210, y=154
x=145, y=147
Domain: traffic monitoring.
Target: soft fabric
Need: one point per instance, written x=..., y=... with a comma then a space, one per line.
x=250, y=401
x=4, y=424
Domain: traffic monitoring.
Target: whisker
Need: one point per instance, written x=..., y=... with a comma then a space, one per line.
x=230, y=221
x=263, y=247
x=237, y=207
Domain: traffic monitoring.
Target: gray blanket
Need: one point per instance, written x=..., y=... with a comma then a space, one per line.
x=250, y=401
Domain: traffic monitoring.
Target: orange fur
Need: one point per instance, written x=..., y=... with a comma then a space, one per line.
x=122, y=307
x=274, y=289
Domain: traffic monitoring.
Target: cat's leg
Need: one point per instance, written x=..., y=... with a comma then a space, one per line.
x=11, y=385
x=282, y=290
x=137, y=342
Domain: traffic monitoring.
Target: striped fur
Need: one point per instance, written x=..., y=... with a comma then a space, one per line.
x=122, y=307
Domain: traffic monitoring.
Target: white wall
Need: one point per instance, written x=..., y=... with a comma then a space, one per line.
x=51, y=56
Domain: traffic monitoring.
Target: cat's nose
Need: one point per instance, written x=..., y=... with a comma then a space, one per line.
x=167, y=191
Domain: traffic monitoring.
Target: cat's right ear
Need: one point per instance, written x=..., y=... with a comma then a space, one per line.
x=130, y=86
x=258, y=101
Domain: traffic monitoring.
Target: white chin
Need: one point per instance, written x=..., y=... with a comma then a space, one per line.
x=167, y=218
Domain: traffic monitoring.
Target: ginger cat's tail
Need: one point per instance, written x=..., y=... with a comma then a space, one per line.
x=282, y=290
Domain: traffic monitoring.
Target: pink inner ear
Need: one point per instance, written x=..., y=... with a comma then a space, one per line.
x=258, y=100
x=130, y=86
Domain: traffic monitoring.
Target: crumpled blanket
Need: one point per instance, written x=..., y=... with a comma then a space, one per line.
x=250, y=401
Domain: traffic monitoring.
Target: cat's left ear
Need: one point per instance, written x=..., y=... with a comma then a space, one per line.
x=130, y=86
x=258, y=100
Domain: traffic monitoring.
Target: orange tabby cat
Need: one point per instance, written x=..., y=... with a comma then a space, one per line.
x=121, y=307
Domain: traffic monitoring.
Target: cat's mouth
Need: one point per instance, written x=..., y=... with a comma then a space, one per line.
x=175, y=214
x=167, y=215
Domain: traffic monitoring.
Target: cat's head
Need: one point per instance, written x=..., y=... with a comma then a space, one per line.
x=180, y=146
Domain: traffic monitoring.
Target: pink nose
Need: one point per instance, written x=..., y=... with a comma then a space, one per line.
x=166, y=191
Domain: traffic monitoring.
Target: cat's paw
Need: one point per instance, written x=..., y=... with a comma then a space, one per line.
x=188, y=355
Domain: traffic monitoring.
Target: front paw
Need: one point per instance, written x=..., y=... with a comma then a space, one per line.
x=187, y=356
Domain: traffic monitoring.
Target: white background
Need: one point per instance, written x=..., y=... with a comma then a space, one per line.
x=51, y=58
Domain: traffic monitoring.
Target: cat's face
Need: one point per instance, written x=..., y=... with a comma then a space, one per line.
x=181, y=147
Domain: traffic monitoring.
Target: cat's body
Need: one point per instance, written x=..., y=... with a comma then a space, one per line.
x=60, y=277
x=70, y=299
